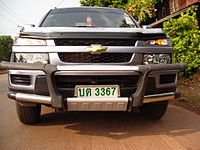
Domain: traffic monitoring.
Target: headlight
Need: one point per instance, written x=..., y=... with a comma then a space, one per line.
x=29, y=42
x=32, y=58
x=156, y=59
x=161, y=42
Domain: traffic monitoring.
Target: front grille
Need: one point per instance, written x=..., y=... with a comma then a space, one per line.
x=20, y=79
x=66, y=84
x=95, y=58
x=89, y=42
x=72, y=81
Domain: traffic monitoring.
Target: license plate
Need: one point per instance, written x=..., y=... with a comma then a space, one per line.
x=91, y=91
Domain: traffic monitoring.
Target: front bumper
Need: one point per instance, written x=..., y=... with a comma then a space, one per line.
x=58, y=101
x=89, y=104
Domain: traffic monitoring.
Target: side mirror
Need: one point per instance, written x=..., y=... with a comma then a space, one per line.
x=146, y=27
x=26, y=26
x=29, y=25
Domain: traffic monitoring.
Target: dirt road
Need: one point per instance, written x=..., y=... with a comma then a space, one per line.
x=179, y=129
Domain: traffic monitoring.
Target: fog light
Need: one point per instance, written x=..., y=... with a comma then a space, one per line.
x=157, y=59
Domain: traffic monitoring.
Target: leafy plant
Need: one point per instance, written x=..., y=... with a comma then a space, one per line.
x=185, y=37
x=141, y=9
x=6, y=43
x=105, y=3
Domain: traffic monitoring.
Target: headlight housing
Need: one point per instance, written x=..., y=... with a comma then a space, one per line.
x=29, y=42
x=31, y=58
x=157, y=59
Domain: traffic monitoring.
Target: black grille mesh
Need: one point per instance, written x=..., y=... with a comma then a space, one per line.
x=167, y=79
x=20, y=79
x=89, y=42
x=72, y=81
x=95, y=58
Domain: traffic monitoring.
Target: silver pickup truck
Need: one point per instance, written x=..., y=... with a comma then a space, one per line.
x=91, y=59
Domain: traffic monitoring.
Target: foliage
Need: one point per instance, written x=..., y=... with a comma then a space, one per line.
x=105, y=3
x=141, y=9
x=6, y=43
x=185, y=36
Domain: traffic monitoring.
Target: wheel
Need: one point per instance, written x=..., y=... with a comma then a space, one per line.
x=154, y=110
x=28, y=114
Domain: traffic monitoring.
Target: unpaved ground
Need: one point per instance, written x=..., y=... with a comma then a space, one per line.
x=190, y=94
x=179, y=129
x=3, y=72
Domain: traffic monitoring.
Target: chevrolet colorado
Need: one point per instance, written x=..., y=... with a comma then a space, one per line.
x=91, y=59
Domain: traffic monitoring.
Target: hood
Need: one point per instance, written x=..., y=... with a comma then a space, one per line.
x=91, y=33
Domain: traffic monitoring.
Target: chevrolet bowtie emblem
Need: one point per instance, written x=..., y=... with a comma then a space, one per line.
x=96, y=49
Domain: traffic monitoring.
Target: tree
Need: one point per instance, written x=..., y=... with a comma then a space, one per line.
x=6, y=43
x=142, y=9
x=105, y=3
x=185, y=36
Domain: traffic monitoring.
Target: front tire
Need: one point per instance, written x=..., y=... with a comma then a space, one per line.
x=28, y=114
x=154, y=110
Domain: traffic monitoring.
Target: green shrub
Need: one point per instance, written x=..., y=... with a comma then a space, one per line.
x=105, y=3
x=6, y=43
x=185, y=36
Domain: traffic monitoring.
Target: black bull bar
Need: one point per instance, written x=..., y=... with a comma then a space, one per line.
x=57, y=100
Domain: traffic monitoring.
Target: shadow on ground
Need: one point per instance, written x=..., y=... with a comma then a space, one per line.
x=120, y=125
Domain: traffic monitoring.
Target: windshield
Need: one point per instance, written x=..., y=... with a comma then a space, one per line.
x=90, y=17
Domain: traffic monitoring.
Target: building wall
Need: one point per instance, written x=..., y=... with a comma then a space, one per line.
x=176, y=5
x=168, y=7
